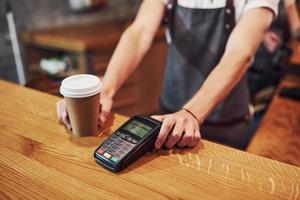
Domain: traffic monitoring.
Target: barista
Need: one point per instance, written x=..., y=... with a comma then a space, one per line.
x=213, y=42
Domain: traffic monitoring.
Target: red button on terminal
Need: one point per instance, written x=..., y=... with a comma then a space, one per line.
x=101, y=151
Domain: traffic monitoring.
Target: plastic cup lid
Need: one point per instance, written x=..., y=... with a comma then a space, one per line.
x=81, y=85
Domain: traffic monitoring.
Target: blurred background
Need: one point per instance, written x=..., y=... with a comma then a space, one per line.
x=60, y=38
x=42, y=14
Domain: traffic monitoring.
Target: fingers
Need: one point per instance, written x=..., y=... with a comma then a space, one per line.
x=166, y=128
x=58, y=111
x=159, y=117
x=66, y=120
x=63, y=117
x=106, y=105
x=272, y=41
x=273, y=36
x=196, y=139
x=180, y=129
x=176, y=134
x=271, y=47
x=188, y=137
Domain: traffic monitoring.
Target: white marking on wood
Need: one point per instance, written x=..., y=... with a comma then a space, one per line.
x=283, y=186
x=297, y=192
x=191, y=160
x=272, y=185
x=198, y=162
x=247, y=154
x=227, y=171
x=248, y=176
x=209, y=166
x=291, y=192
x=243, y=176
x=180, y=159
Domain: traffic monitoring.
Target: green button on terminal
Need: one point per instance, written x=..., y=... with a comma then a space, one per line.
x=114, y=159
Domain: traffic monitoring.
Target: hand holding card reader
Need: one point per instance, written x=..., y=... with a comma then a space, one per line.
x=129, y=142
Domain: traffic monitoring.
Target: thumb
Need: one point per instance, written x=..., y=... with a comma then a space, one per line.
x=159, y=117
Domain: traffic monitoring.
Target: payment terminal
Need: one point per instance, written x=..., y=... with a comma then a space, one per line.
x=129, y=142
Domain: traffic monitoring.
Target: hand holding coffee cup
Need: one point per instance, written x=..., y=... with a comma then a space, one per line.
x=62, y=113
x=106, y=103
x=81, y=103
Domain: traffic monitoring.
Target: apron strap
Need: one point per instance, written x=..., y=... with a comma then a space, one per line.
x=169, y=12
x=229, y=16
x=169, y=18
x=170, y=8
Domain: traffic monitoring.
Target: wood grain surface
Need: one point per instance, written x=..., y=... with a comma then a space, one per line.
x=278, y=136
x=40, y=159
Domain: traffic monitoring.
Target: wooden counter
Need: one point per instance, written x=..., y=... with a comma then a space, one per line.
x=278, y=136
x=40, y=159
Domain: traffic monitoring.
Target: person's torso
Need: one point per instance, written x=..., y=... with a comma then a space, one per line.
x=200, y=31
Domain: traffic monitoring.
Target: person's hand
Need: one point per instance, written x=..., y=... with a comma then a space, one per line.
x=63, y=117
x=105, y=108
x=272, y=41
x=180, y=129
x=106, y=103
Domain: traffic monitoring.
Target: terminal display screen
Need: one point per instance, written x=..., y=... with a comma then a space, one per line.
x=137, y=128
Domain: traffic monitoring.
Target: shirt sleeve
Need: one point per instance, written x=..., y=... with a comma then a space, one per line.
x=270, y=4
x=288, y=2
x=164, y=1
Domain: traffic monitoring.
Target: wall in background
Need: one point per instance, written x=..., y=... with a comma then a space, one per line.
x=37, y=14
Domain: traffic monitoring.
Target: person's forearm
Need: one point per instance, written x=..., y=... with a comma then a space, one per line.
x=133, y=45
x=293, y=17
x=218, y=84
x=240, y=47
x=130, y=50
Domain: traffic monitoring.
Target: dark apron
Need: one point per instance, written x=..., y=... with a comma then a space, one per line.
x=199, y=38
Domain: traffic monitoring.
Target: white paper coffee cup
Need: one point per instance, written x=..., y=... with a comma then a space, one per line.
x=82, y=97
x=80, y=86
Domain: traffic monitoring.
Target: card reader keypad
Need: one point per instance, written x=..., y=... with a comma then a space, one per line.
x=117, y=146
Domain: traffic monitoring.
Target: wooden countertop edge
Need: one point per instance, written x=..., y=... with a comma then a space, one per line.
x=261, y=144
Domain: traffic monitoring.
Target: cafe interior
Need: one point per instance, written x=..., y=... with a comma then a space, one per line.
x=150, y=99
